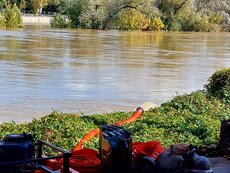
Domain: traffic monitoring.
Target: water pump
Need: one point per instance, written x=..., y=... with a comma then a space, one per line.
x=16, y=148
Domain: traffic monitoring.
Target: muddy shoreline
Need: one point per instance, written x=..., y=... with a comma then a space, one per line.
x=19, y=112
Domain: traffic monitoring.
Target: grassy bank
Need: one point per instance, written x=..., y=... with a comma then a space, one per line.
x=191, y=118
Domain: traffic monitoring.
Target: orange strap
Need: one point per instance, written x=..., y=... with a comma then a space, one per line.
x=96, y=131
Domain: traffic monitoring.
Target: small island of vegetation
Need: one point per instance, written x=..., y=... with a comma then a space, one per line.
x=153, y=15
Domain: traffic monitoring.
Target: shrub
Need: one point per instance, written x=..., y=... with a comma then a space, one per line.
x=219, y=85
x=60, y=21
x=133, y=20
x=191, y=21
x=156, y=24
x=225, y=22
x=11, y=17
x=190, y=118
x=2, y=21
x=75, y=11
x=208, y=23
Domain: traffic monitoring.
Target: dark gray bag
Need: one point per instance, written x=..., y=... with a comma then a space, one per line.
x=224, y=142
x=170, y=162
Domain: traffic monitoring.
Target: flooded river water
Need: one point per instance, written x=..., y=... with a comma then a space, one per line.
x=91, y=71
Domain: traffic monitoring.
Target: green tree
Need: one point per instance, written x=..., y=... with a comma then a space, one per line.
x=93, y=15
x=100, y=14
x=36, y=6
x=175, y=15
x=57, y=6
x=170, y=10
x=113, y=8
x=20, y=3
x=216, y=12
x=75, y=10
x=11, y=17
x=219, y=85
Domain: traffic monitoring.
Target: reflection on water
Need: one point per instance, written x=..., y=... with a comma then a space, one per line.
x=100, y=71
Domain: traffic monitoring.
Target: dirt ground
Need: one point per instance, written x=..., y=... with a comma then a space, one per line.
x=220, y=165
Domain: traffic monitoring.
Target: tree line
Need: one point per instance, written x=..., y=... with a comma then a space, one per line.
x=169, y=15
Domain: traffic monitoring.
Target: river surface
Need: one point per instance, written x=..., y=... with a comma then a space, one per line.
x=91, y=71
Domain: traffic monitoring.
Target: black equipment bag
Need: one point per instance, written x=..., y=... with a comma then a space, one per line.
x=115, y=149
x=224, y=142
x=16, y=147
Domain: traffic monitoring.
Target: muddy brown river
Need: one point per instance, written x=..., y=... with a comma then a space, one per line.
x=91, y=71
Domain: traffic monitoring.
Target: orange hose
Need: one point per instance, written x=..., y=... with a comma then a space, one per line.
x=96, y=131
x=134, y=117
x=87, y=137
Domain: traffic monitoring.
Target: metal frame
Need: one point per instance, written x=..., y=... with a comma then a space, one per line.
x=39, y=159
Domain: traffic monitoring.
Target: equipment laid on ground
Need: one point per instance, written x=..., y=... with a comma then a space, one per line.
x=16, y=147
x=117, y=153
x=115, y=149
x=224, y=142
x=19, y=154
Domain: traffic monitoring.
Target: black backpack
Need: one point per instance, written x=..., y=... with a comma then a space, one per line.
x=224, y=142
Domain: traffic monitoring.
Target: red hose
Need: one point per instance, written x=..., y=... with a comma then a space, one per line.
x=85, y=164
x=96, y=131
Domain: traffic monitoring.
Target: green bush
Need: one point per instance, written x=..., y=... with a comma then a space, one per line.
x=11, y=17
x=2, y=21
x=60, y=21
x=219, y=85
x=75, y=11
x=156, y=24
x=133, y=20
x=189, y=118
